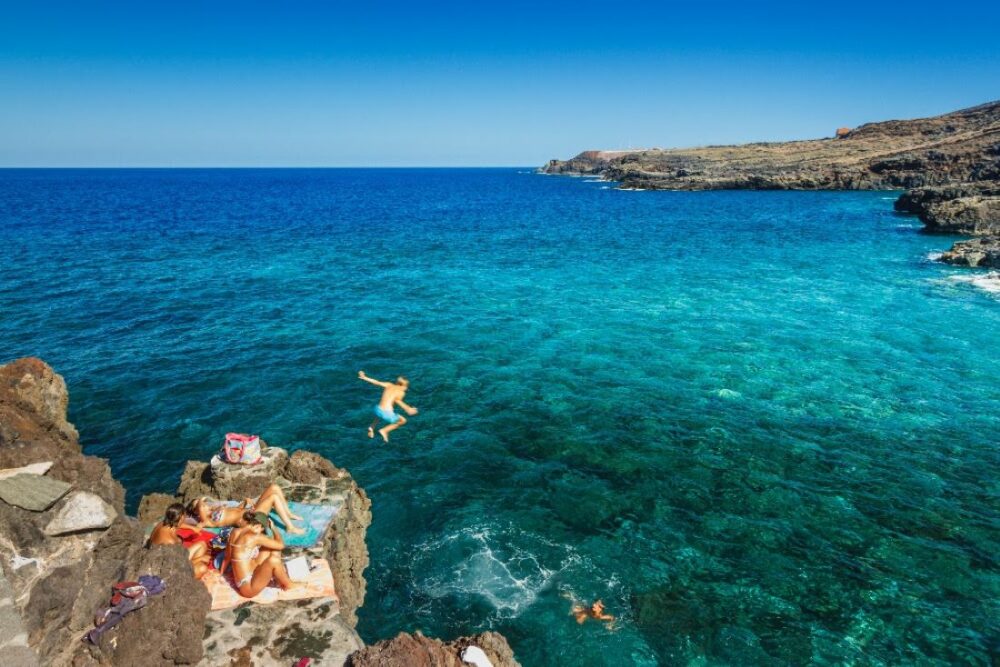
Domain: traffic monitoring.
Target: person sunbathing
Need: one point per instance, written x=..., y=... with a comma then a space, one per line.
x=217, y=514
x=234, y=534
x=256, y=559
x=594, y=611
x=170, y=531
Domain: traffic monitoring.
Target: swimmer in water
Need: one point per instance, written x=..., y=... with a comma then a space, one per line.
x=594, y=611
x=392, y=395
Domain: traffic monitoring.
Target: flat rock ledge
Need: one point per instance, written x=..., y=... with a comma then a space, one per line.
x=59, y=561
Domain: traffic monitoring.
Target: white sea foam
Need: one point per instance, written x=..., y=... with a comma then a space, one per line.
x=497, y=566
x=984, y=281
x=934, y=256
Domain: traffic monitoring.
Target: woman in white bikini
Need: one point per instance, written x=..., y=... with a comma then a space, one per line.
x=218, y=515
x=256, y=559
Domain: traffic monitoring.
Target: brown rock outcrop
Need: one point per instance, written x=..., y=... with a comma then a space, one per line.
x=960, y=208
x=33, y=428
x=417, y=650
x=57, y=582
x=980, y=252
x=950, y=165
x=956, y=147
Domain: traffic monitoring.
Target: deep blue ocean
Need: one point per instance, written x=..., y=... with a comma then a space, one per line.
x=761, y=426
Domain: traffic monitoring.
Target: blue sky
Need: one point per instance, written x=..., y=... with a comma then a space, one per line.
x=220, y=83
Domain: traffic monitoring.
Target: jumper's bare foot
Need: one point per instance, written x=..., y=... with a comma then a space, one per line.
x=371, y=432
x=294, y=584
x=385, y=436
x=294, y=530
x=295, y=517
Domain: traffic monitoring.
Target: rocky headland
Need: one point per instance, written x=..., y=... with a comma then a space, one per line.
x=962, y=146
x=949, y=165
x=971, y=209
x=59, y=557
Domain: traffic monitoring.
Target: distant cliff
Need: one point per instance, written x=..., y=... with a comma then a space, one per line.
x=956, y=147
x=949, y=164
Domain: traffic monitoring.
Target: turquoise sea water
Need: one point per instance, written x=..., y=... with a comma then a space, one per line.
x=762, y=426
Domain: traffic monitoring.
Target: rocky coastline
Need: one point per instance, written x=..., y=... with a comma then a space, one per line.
x=949, y=166
x=57, y=564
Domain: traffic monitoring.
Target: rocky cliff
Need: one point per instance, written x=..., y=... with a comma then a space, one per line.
x=950, y=163
x=956, y=147
x=971, y=209
x=58, y=581
x=65, y=539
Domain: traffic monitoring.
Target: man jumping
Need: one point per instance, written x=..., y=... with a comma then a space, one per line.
x=392, y=395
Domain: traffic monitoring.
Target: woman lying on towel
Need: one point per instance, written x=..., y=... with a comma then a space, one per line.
x=218, y=515
x=169, y=531
x=256, y=558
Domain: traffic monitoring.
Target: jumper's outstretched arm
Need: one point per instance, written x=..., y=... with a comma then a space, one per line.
x=361, y=375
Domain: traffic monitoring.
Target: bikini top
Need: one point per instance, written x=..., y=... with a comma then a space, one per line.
x=248, y=556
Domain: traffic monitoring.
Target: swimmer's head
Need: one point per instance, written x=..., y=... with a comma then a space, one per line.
x=597, y=607
x=402, y=381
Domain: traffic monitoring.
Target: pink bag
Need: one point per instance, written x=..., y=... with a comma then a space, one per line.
x=241, y=448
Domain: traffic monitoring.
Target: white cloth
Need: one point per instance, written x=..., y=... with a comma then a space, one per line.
x=475, y=656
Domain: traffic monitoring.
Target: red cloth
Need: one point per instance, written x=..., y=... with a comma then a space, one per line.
x=189, y=536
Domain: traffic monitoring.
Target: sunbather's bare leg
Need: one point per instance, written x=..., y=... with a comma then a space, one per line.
x=259, y=580
x=197, y=551
x=280, y=574
x=262, y=575
x=261, y=558
x=275, y=500
x=275, y=491
x=388, y=428
x=200, y=569
x=200, y=557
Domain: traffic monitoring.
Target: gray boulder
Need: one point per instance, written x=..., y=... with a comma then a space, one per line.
x=82, y=511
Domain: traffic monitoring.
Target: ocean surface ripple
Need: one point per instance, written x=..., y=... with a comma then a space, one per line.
x=762, y=426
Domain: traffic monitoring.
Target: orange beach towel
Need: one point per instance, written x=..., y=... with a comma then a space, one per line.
x=318, y=584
